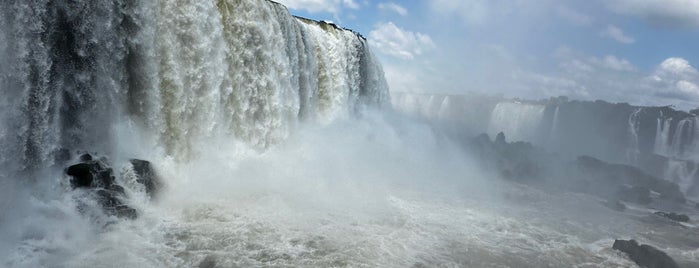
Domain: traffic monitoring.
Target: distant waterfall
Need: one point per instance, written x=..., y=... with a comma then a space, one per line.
x=633, y=150
x=678, y=140
x=518, y=121
x=181, y=70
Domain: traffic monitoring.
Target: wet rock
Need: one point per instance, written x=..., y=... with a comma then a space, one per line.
x=146, y=175
x=81, y=175
x=635, y=194
x=644, y=255
x=673, y=216
x=96, y=176
x=208, y=262
x=500, y=138
x=86, y=157
x=90, y=174
x=615, y=205
x=612, y=176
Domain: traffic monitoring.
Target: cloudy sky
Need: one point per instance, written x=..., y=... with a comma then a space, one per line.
x=639, y=51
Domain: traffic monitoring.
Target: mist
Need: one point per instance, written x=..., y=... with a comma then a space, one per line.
x=233, y=134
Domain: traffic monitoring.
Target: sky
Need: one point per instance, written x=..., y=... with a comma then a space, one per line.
x=642, y=52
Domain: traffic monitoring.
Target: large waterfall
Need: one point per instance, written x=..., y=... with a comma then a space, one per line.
x=229, y=133
x=181, y=71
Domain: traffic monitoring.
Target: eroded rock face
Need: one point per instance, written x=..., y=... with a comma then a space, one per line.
x=644, y=255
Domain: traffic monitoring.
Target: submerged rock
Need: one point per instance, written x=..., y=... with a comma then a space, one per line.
x=615, y=205
x=673, y=216
x=208, y=262
x=644, y=255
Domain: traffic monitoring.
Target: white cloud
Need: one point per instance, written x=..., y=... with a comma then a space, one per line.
x=617, y=34
x=351, y=4
x=676, y=78
x=574, y=17
x=688, y=87
x=315, y=6
x=390, y=6
x=578, y=65
x=666, y=13
x=472, y=12
x=613, y=63
x=389, y=39
x=678, y=67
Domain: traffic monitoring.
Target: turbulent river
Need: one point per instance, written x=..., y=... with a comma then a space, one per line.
x=276, y=146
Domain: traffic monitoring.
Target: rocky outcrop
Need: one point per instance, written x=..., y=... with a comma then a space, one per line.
x=645, y=255
x=524, y=162
x=634, y=184
x=519, y=161
x=146, y=176
x=97, y=177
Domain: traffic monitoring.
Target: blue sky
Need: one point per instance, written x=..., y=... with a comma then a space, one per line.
x=639, y=51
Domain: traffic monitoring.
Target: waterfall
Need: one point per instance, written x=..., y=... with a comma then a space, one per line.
x=662, y=134
x=180, y=71
x=683, y=173
x=554, y=133
x=519, y=121
x=679, y=140
x=633, y=150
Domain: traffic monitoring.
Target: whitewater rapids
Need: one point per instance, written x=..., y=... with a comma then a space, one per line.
x=391, y=195
x=276, y=148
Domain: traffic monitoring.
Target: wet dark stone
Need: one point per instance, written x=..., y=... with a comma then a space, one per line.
x=644, y=255
x=673, y=216
x=97, y=176
x=81, y=175
x=86, y=157
x=146, y=175
x=208, y=262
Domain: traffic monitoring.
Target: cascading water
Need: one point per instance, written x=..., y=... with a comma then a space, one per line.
x=182, y=71
x=155, y=79
x=633, y=150
x=247, y=113
x=518, y=121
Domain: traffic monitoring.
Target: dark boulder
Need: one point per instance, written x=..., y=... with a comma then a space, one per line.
x=81, y=175
x=644, y=255
x=146, y=175
x=90, y=173
x=98, y=178
x=673, y=216
x=86, y=157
